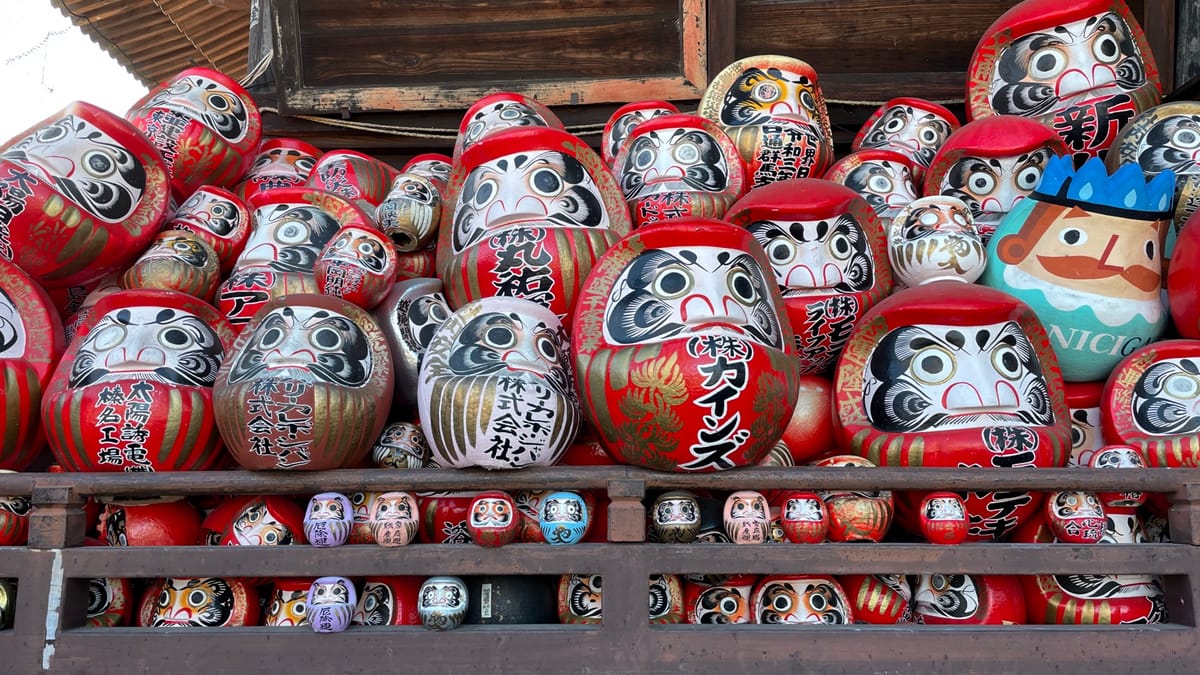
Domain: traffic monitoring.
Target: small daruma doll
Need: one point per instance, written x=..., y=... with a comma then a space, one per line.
x=1082, y=68
x=935, y=238
x=205, y=125
x=675, y=518
x=622, y=122
x=913, y=127
x=280, y=163
x=563, y=518
x=746, y=517
x=678, y=166
x=967, y=599
x=528, y=212
x=176, y=261
x=442, y=603
x=358, y=265
x=409, y=316
x=31, y=342
x=496, y=388
x=217, y=216
x=804, y=518
x=84, y=193
x=328, y=520
x=394, y=519
x=134, y=390
x=829, y=255
x=773, y=109
x=684, y=359
x=856, y=515
x=410, y=212
x=494, y=520
x=354, y=176
x=307, y=386
x=1075, y=517
x=331, y=602
x=204, y=602
x=944, y=518
x=950, y=374
x=1165, y=137
x=886, y=179
x=1085, y=251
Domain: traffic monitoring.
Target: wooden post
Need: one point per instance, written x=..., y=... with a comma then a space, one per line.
x=1183, y=592
x=626, y=512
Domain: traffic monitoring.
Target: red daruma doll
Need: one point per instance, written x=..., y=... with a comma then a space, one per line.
x=134, y=390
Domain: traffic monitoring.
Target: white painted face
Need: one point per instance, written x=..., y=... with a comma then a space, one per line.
x=698, y=290
x=624, y=125
x=286, y=162
x=544, y=186
x=500, y=115
x=992, y=186
x=207, y=101
x=329, y=593
x=186, y=249
x=1086, y=436
x=945, y=508
x=359, y=247
x=334, y=508
x=1077, y=504
x=759, y=95
x=322, y=342
x=12, y=329
x=288, y=237
x=955, y=377
x=909, y=130
x=86, y=165
x=805, y=510
x=491, y=512
x=682, y=159
x=1166, y=399
x=887, y=186
x=801, y=601
x=154, y=343
x=1052, y=69
x=435, y=170
x=950, y=596
x=809, y=256
x=209, y=212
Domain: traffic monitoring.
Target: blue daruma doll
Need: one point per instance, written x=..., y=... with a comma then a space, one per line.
x=563, y=518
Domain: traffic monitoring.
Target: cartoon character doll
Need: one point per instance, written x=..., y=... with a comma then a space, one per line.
x=1086, y=253
x=773, y=110
x=684, y=357
x=1082, y=67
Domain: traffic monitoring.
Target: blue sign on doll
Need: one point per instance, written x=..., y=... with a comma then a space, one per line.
x=1085, y=252
x=563, y=517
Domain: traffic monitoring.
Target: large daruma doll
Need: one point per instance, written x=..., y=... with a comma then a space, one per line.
x=83, y=194
x=307, y=385
x=1081, y=67
x=529, y=212
x=134, y=390
x=947, y=375
x=684, y=357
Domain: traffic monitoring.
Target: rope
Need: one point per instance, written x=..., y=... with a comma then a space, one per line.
x=432, y=133
x=876, y=104
x=42, y=43
x=258, y=69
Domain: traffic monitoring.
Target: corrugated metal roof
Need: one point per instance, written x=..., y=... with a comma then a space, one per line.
x=154, y=39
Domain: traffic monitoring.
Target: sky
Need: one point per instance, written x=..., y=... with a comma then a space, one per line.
x=46, y=63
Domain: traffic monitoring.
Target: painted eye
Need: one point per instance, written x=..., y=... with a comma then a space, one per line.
x=929, y=136
x=485, y=193
x=325, y=339
x=738, y=507
x=728, y=606
x=1006, y=362
x=98, y=164
x=1047, y=62
x=808, y=101
x=1186, y=138
x=643, y=159
x=981, y=182
x=817, y=602
x=781, y=603
x=218, y=101
x=686, y=153
x=500, y=337
x=1028, y=178
x=270, y=338
x=781, y=251
x=765, y=91
x=1150, y=248
x=51, y=134
x=547, y=349
x=271, y=538
x=960, y=217
x=672, y=282
x=305, y=164
x=275, y=608
x=197, y=598
x=292, y=233
x=933, y=365
x=879, y=184
x=840, y=247
x=366, y=249
x=358, y=498
x=929, y=218
x=1181, y=386
x=742, y=286
x=475, y=130
x=939, y=582
x=175, y=338
x=1106, y=48
x=1073, y=236
x=164, y=599
x=510, y=114
x=384, y=508
x=108, y=337
x=546, y=182
x=895, y=124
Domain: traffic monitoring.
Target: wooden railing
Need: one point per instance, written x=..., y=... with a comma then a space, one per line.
x=52, y=574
